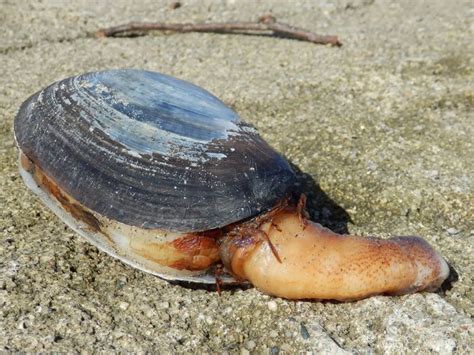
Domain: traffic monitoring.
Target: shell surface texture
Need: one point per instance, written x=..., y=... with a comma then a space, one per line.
x=164, y=176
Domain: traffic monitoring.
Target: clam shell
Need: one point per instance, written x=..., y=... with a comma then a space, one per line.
x=136, y=161
x=149, y=150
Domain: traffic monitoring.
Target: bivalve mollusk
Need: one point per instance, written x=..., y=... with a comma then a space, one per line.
x=164, y=176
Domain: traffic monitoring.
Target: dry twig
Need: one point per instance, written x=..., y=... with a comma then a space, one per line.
x=267, y=25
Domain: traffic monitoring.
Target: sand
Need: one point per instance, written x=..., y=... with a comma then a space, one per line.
x=382, y=126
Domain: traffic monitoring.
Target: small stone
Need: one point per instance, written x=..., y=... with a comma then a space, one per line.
x=121, y=282
x=117, y=334
x=244, y=351
x=250, y=344
x=287, y=348
x=175, y=5
x=304, y=331
x=275, y=350
x=21, y=325
x=452, y=231
x=124, y=305
x=272, y=306
x=149, y=312
x=46, y=258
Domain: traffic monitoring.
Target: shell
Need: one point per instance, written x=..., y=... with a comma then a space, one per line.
x=145, y=150
x=150, y=150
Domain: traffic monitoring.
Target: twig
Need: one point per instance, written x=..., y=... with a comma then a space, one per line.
x=266, y=25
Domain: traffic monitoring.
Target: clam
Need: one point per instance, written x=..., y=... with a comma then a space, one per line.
x=162, y=175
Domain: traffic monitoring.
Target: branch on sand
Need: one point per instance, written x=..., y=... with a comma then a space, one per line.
x=267, y=25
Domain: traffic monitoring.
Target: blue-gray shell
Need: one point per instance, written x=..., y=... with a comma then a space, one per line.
x=150, y=150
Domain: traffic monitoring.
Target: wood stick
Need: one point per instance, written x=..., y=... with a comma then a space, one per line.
x=267, y=25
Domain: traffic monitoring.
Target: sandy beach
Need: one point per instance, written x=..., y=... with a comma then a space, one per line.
x=381, y=128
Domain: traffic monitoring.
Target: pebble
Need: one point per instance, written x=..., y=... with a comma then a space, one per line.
x=304, y=331
x=124, y=305
x=287, y=348
x=272, y=306
x=452, y=231
x=250, y=344
x=275, y=350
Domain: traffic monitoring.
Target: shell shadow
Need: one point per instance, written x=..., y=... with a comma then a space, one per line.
x=211, y=287
x=453, y=277
x=322, y=209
